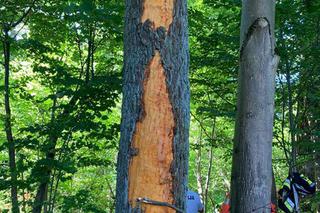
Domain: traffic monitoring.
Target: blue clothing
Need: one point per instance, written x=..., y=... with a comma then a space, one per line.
x=194, y=204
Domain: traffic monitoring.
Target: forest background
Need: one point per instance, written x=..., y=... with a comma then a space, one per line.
x=65, y=62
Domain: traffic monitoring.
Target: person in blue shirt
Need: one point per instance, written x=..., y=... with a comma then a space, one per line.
x=194, y=204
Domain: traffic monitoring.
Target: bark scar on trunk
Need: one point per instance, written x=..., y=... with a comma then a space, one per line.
x=259, y=24
x=150, y=174
x=159, y=12
x=155, y=31
x=149, y=170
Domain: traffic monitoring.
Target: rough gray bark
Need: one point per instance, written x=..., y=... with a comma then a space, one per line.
x=8, y=124
x=252, y=156
x=141, y=42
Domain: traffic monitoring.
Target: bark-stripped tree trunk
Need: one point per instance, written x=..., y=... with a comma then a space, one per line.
x=153, y=155
x=8, y=124
x=252, y=155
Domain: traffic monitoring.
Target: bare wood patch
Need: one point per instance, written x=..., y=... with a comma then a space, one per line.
x=159, y=12
x=149, y=170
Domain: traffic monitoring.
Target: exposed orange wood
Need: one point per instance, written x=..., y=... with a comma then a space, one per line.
x=159, y=12
x=149, y=170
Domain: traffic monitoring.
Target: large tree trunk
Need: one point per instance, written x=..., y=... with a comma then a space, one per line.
x=252, y=156
x=153, y=155
x=8, y=124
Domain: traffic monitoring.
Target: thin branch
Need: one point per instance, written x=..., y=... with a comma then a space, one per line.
x=198, y=163
x=286, y=152
x=23, y=15
x=53, y=194
x=14, y=37
x=223, y=98
x=201, y=126
x=207, y=184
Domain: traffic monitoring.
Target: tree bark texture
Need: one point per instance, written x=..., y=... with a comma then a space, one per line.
x=8, y=124
x=153, y=155
x=252, y=156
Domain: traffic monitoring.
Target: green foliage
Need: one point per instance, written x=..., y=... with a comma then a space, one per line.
x=214, y=41
x=66, y=60
x=82, y=198
x=214, y=36
x=65, y=87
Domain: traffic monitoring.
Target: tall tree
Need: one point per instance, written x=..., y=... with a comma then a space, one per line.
x=153, y=155
x=9, y=20
x=8, y=124
x=81, y=92
x=252, y=156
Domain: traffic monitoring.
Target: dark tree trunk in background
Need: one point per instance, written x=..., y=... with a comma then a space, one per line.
x=6, y=41
x=8, y=124
x=41, y=195
x=153, y=155
x=198, y=166
x=55, y=132
x=252, y=156
x=292, y=124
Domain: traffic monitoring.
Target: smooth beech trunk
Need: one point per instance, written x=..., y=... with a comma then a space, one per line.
x=252, y=156
x=153, y=155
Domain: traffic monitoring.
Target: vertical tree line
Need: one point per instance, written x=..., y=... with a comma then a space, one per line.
x=153, y=155
x=63, y=43
x=252, y=153
x=61, y=82
x=7, y=37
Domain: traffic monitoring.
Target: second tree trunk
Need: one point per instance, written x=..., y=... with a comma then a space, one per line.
x=252, y=155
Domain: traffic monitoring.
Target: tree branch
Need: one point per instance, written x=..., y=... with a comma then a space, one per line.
x=201, y=126
x=13, y=25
